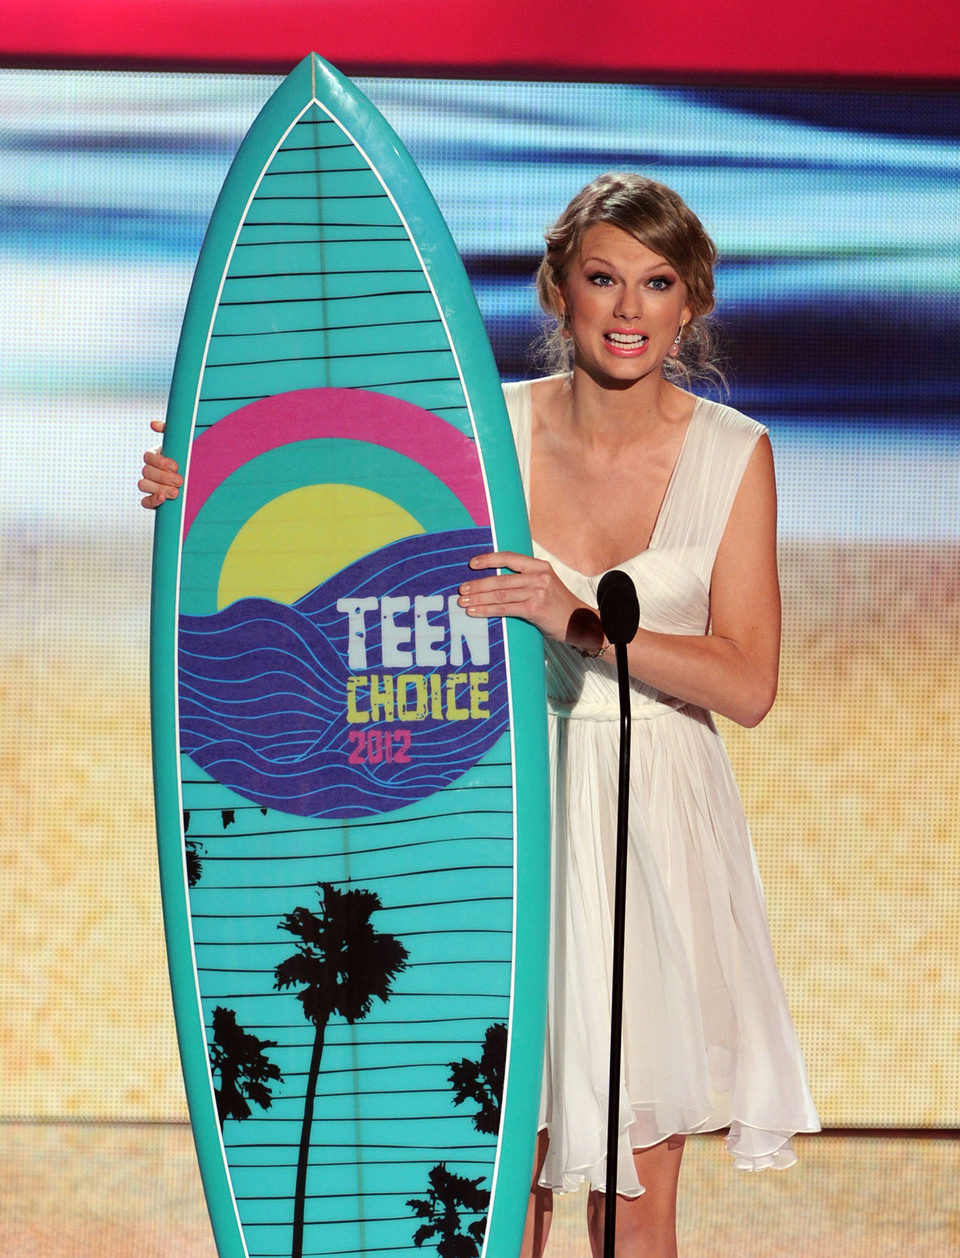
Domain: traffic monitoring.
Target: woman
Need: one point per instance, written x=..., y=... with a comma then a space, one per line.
x=625, y=469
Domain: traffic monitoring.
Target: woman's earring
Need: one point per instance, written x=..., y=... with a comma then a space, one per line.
x=675, y=347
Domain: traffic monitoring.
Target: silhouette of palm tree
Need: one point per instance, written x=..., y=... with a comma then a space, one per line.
x=193, y=854
x=482, y=1081
x=244, y=1069
x=341, y=964
x=447, y=1196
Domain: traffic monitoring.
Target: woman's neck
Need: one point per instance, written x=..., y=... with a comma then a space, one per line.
x=602, y=415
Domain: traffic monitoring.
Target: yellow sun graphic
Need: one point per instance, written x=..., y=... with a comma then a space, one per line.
x=301, y=538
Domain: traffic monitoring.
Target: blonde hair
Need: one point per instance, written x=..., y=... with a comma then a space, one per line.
x=661, y=220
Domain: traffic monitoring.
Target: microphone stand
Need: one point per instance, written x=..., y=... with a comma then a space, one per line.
x=619, y=615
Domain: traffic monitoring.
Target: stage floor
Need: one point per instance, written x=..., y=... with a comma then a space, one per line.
x=106, y=1190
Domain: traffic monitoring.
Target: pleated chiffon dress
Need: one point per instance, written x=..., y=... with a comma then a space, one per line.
x=708, y=1039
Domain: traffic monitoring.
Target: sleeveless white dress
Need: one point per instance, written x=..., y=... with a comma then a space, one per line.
x=708, y=1039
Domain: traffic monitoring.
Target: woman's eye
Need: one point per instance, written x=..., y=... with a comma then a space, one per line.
x=660, y=283
x=601, y=279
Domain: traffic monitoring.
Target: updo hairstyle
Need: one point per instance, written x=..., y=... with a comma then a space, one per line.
x=661, y=220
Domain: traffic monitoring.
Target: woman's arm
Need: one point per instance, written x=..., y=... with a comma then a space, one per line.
x=732, y=670
x=160, y=478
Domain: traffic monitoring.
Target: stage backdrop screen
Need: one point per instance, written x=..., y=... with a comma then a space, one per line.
x=837, y=216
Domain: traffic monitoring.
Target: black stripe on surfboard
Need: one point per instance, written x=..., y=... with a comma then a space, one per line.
x=324, y=274
x=300, y=885
x=400, y=237
x=322, y=358
x=332, y=1071
x=279, y=942
x=281, y=198
x=239, y=918
x=460, y=1045
x=338, y=1164
x=346, y=1034
x=420, y=1153
x=400, y=995
x=359, y=1032
x=353, y=1252
x=273, y=1120
x=366, y=822
x=487, y=962
x=373, y=1194
x=226, y=915
x=458, y=1028
x=376, y=386
x=424, y=1151
x=329, y=222
x=321, y=298
x=312, y=171
x=468, y=867
x=329, y=327
x=263, y=978
x=315, y=145
x=366, y=1094
x=451, y=933
x=393, y=383
x=453, y=408
x=464, y=1042
x=418, y=1159
x=213, y=859
x=209, y=884
x=393, y=908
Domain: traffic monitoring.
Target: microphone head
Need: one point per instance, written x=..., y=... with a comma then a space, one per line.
x=618, y=607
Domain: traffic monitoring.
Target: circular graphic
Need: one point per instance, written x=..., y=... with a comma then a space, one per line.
x=325, y=666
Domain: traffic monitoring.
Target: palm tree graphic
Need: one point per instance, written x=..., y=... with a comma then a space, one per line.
x=482, y=1080
x=193, y=856
x=447, y=1197
x=244, y=1069
x=340, y=965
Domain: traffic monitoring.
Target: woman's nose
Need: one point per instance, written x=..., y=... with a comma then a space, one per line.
x=629, y=304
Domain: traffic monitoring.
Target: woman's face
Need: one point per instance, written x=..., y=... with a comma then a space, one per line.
x=624, y=305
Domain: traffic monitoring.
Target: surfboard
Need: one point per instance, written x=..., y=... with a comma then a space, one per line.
x=350, y=775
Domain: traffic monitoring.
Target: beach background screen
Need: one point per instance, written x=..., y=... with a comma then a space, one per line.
x=837, y=217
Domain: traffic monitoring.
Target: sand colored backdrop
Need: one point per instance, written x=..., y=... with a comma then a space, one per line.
x=850, y=785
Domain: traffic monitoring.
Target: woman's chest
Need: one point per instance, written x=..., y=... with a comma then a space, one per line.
x=595, y=513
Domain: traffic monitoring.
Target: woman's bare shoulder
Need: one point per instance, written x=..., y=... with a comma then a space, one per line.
x=546, y=396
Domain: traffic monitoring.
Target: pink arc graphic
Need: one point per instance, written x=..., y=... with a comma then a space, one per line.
x=352, y=414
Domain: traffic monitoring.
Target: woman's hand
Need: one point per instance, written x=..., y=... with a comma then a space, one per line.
x=160, y=478
x=532, y=591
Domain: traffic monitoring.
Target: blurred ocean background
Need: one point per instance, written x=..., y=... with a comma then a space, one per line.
x=836, y=213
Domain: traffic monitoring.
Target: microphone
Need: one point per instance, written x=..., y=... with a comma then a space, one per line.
x=620, y=617
x=618, y=607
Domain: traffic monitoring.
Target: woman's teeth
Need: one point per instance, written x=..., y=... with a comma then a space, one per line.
x=629, y=340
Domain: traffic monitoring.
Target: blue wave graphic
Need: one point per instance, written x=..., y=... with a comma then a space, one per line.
x=264, y=706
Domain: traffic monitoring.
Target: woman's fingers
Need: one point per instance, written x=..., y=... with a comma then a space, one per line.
x=507, y=559
x=529, y=588
x=159, y=480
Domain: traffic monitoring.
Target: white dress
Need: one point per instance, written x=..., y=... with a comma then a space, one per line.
x=708, y=1039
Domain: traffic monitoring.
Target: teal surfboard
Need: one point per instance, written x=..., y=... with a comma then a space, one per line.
x=350, y=774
